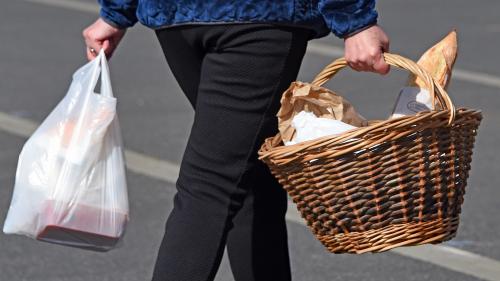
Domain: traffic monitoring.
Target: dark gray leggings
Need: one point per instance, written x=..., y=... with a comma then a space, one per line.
x=233, y=75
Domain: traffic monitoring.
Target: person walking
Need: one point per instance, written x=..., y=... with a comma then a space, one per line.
x=233, y=60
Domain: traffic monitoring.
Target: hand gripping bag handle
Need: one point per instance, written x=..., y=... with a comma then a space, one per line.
x=105, y=79
x=100, y=68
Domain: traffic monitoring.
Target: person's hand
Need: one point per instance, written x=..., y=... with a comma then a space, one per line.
x=102, y=35
x=364, y=50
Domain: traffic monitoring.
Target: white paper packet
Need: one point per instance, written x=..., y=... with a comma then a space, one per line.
x=308, y=127
x=411, y=100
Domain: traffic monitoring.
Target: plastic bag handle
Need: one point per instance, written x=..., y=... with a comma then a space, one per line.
x=105, y=79
x=100, y=68
x=436, y=90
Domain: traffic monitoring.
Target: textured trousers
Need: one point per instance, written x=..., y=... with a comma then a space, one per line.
x=233, y=75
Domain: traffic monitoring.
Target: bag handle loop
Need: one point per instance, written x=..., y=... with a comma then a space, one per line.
x=105, y=79
x=439, y=95
x=99, y=68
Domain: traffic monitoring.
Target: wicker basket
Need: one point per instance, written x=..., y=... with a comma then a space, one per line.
x=398, y=182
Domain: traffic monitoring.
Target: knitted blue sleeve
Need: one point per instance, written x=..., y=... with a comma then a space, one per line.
x=119, y=13
x=347, y=16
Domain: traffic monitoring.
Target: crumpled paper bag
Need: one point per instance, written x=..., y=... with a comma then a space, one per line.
x=322, y=102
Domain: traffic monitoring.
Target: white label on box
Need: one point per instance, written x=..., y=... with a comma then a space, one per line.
x=412, y=100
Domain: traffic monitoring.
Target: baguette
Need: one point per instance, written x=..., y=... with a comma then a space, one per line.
x=438, y=61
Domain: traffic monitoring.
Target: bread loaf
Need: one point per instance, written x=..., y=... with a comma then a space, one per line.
x=438, y=61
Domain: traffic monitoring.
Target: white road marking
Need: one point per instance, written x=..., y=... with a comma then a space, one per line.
x=136, y=162
x=454, y=259
x=476, y=77
x=16, y=125
x=70, y=5
x=152, y=167
x=323, y=49
x=316, y=48
x=444, y=256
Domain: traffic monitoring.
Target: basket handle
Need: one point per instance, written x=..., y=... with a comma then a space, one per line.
x=437, y=92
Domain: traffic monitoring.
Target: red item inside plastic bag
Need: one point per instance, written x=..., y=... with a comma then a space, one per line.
x=82, y=226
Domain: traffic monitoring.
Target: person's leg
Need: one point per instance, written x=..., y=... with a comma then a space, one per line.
x=184, y=53
x=243, y=74
x=257, y=244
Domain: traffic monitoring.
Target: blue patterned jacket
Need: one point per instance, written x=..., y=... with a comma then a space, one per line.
x=342, y=17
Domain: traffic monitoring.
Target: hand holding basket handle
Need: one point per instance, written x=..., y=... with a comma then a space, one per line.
x=399, y=182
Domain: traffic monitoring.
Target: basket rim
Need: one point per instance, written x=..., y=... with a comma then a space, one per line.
x=358, y=138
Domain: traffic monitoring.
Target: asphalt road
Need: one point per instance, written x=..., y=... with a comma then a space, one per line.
x=41, y=46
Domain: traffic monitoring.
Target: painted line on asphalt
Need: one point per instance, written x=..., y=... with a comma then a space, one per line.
x=325, y=50
x=316, y=48
x=477, y=78
x=444, y=256
x=152, y=167
x=454, y=259
x=70, y=5
x=136, y=162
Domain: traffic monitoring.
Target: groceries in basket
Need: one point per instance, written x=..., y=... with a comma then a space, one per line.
x=309, y=112
x=388, y=183
x=438, y=61
x=70, y=185
x=415, y=97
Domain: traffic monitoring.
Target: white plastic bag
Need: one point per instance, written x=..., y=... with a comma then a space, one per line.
x=70, y=182
x=309, y=127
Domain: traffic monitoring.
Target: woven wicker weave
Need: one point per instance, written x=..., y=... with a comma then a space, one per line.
x=395, y=183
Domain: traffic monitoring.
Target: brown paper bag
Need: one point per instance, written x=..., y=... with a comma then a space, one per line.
x=322, y=102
